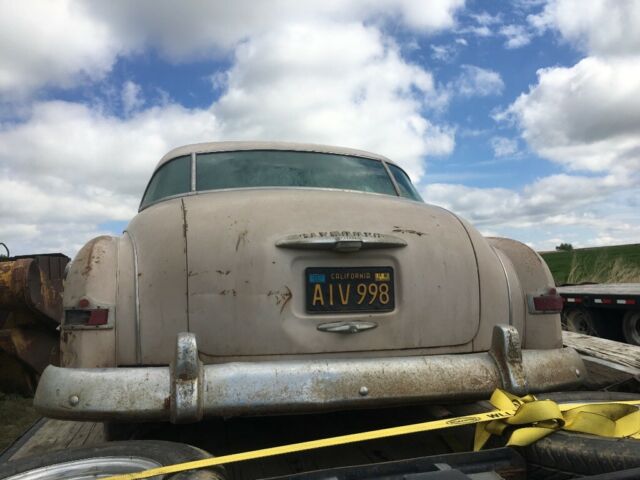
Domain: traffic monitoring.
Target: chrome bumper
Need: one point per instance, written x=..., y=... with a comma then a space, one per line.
x=187, y=390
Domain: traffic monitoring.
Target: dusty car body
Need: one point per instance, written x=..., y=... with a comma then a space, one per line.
x=262, y=278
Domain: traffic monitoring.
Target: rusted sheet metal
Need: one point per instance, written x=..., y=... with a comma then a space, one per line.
x=30, y=312
x=37, y=348
x=27, y=283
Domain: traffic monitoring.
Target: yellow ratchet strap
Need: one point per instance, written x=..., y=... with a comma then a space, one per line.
x=535, y=419
x=532, y=419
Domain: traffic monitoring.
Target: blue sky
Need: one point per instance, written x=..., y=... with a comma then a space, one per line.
x=523, y=116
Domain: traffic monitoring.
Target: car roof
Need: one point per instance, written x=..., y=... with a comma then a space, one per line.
x=247, y=145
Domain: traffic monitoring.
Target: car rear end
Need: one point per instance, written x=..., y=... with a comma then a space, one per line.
x=290, y=278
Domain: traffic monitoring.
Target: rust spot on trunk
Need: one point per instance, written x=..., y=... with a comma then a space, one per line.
x=408, y=230
x=282, y=297
x=242, y=238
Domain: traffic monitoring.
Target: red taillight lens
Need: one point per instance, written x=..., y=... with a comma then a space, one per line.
x=549, y=302
x=98, y=317
x=91, y=318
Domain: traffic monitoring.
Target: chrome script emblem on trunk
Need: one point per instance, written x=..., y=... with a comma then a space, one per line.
x=340, y=241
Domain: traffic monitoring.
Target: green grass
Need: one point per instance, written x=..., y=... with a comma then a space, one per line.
x=17, y=414
x=616, y=264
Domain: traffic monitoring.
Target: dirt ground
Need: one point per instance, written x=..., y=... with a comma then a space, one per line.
x=16, y=415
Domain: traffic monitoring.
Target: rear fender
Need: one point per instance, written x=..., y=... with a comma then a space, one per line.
x=91, y=284
x=541, y=331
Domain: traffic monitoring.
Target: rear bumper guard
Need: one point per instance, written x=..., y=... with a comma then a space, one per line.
x=187, y=390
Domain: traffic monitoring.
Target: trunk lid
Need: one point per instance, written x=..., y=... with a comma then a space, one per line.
x=248, y=257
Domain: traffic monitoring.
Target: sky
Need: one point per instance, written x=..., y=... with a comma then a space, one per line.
x=522, y=116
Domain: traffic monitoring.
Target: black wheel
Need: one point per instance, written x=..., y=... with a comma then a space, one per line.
x=631, y=327
x=582, y=321
x=109, y=459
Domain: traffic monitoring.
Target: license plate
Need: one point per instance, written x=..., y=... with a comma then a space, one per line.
x=349, y=289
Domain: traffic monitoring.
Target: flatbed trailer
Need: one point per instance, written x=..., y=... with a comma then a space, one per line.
x=604, y=310
x=610, y=366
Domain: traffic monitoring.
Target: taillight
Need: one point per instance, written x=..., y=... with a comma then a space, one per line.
x=549, y=302
x=89, y=318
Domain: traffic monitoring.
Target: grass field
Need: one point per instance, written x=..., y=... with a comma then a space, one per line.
x=616, y=264
x=17, y=414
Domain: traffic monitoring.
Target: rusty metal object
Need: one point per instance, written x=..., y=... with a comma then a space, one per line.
x=506, y=351
x=30, y=313
x=188, y=390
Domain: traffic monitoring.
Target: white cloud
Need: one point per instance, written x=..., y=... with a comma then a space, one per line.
x=476, y=81
x=586, y=117
x=517, y=36
x=74, y=144
x=194, y=27
x=448, y=52
x=69, y=167
x=131, y=97
x=600, y=27
x=444, y=53
x=304, y=83
x=66, y=42
x=57, y=43
x=481, y=24
x=485, y=18
x=584, y=210
x=503, y=146
x=317, y=71
x=477, y=30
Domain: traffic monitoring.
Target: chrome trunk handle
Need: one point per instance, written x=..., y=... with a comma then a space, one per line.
x=341, y=241
x=355, y=326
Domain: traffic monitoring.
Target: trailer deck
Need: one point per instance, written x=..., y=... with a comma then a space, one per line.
x=602, y=294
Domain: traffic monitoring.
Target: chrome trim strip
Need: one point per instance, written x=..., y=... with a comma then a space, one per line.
x=506, y=277
x=223, y=190
x=244, y=146
x=137, y=298
x=193, y=172
x=396, y=187
x=341, y=241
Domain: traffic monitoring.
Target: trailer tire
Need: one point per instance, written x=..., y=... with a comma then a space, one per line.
x=581, y=320
x=112, y=458
x=631, y=327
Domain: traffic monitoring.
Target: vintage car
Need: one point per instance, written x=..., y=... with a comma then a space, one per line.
x=264, y=278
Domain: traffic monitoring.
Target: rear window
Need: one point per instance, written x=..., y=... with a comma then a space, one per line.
x=276, y=168
x=405, y=186
x=172, y=178
x=290, y=169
